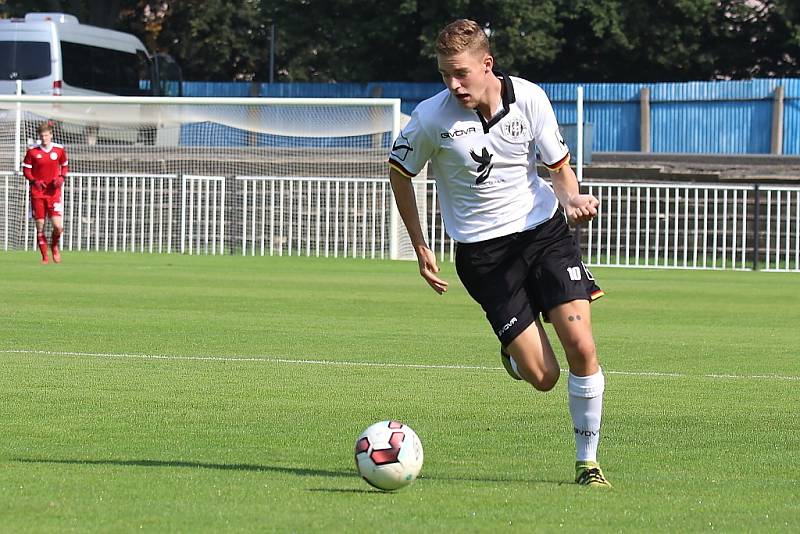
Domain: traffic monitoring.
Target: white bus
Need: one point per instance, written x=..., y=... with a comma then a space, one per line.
x=54, y=54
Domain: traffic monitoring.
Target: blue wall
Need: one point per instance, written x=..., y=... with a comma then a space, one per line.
x=725, y=117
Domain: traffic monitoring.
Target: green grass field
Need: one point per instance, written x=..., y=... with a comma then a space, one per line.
x=171, y=393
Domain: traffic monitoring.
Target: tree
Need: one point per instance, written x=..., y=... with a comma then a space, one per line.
x=211, y=39
x=376, y=40
x=647, y=41
x=367, y=40
x=758, y=39
x=521, y=32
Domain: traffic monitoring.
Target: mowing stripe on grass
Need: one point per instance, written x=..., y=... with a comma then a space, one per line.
x=267, y=359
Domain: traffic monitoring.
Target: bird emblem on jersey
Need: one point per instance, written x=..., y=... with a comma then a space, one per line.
x=484, y=161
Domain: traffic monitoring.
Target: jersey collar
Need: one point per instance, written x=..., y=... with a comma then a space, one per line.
x=507, y=96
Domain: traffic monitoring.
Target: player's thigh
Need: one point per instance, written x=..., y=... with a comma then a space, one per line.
x=572, y=322
x=38, y=208
x=494, y=275
x=55, y=207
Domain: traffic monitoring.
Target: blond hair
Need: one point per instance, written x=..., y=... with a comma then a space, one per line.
x=462, y=35
x=45, y=127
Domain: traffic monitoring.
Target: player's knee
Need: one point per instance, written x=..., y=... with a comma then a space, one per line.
x=58, y=228
x=582, y=348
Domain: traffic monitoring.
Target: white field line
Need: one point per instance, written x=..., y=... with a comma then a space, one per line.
x=267, y=359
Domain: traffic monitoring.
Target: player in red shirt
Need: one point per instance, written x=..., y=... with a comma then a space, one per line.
x=45, y=167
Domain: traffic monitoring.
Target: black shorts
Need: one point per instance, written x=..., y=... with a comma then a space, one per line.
x=516, y=277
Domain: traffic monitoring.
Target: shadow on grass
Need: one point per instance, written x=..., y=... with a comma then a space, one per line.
x=340, y=490
x=278, y=469
x=195, y=465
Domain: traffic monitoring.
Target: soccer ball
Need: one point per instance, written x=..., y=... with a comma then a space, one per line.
x=388, y=455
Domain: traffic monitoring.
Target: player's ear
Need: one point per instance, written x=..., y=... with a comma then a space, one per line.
x=488, y=63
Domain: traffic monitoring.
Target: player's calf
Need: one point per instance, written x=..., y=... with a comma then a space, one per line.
x=54, y=244
x=530, y=356
x=543, y=377
x=42, y=240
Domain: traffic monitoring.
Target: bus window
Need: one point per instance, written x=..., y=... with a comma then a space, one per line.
x=24, y=60
x=104, y=70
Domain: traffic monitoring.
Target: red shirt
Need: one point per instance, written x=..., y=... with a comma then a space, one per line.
x=47, y=165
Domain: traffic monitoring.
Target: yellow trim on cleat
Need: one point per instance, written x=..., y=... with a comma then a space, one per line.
x=588, y=473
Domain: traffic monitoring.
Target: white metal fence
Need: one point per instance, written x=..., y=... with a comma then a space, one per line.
x=314, y=216
x=782, y=234
x=117, y=213
x=202, y=214
x=694, y=226
x=675, y=225
x=656, y=225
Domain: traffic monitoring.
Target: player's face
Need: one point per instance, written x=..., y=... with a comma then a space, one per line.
x=466, y=75
x=47, y=136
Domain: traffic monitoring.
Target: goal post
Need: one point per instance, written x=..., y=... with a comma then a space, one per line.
x=212, y=175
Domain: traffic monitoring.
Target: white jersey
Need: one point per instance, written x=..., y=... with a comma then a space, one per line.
x=486, y=171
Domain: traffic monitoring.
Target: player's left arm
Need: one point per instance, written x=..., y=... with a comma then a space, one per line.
x=64, y=167
x=579, y=207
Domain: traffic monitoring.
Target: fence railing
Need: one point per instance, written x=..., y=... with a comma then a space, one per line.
x=656, y=225
x=202, y=214
x=315, y=216
x=124, y=212
x=675, y=225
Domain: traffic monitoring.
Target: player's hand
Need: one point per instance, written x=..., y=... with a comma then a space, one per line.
x=39, y=184
x=59, y=181
x=428, y=268
x=581, y=208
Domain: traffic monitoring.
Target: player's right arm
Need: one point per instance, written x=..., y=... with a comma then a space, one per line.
x=407, y=206
x=411, y=151
x=27, y=171
x=27, y=167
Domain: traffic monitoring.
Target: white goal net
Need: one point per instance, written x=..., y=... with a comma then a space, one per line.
x=255, y=176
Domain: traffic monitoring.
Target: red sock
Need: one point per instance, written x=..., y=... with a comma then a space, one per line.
x=54, y=238
x=42, y=245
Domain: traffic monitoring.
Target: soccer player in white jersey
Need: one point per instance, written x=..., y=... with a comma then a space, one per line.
x=515, y=254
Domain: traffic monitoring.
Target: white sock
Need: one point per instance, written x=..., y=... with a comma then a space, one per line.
x=586, y=407
x=514, y=365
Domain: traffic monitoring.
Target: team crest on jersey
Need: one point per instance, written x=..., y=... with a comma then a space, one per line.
x=53, y=156
x=516, y=129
